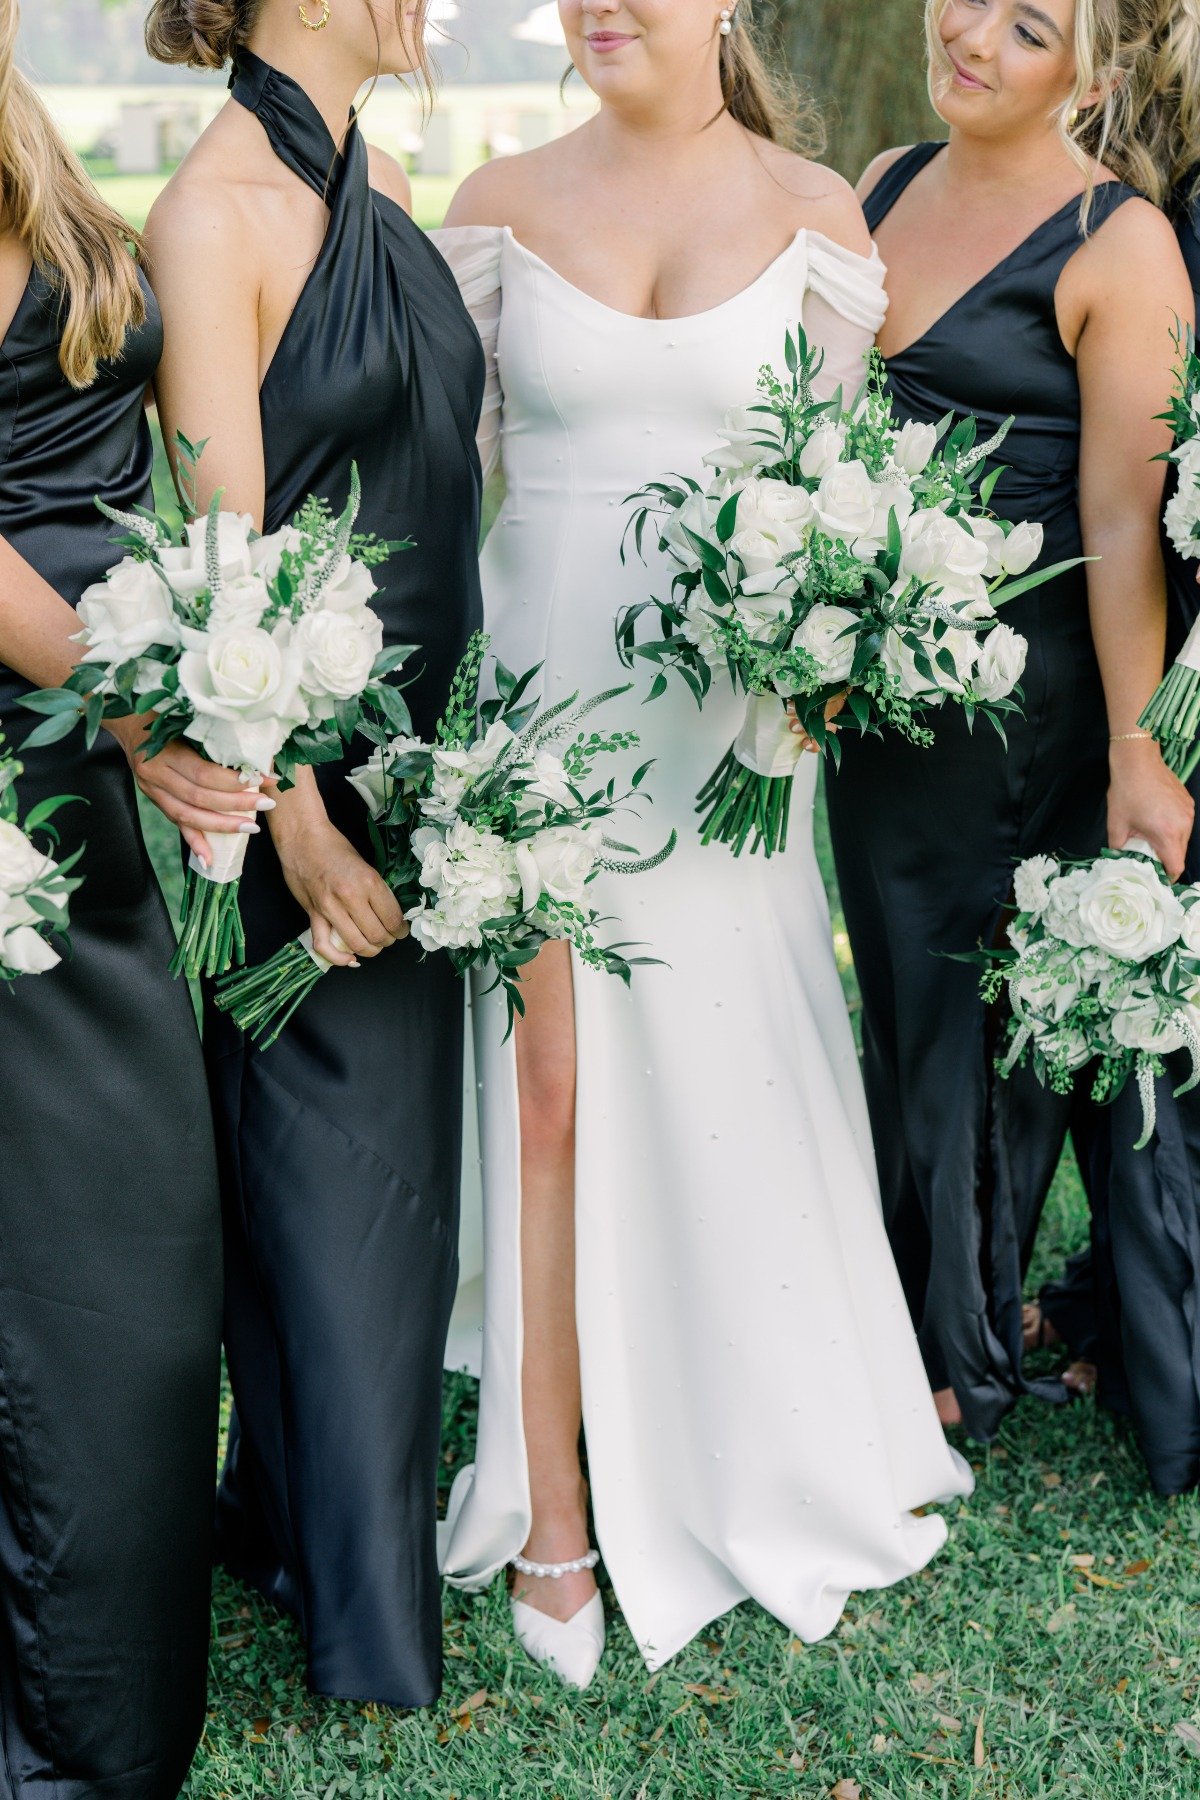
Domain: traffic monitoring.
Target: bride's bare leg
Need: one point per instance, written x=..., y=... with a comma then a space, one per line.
x=545, y=1041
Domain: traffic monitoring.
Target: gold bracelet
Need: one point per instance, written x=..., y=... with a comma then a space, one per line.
x=1132, y=737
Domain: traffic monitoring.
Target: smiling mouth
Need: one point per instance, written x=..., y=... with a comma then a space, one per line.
x=968, y=80
x=608, y=40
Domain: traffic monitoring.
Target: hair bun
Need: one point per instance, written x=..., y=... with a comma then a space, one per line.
x=202, y=34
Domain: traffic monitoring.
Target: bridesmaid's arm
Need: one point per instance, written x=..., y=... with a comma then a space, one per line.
x=206, y=269
x=1124, y=296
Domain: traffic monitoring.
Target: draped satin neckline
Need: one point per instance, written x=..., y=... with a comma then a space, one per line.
x=295, y=129
x=997, y=269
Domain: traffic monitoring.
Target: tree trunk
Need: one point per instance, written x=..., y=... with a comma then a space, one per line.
x=863, y=61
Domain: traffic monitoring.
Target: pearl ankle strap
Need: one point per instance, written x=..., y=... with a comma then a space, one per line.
x=554, y=1571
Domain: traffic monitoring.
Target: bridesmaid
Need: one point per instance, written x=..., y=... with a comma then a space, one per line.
x=1016, y=233
x=109, y=1225
x=311, y=323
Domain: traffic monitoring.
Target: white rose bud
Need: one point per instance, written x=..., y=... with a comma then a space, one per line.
x=915, y=443
x=845, y=501
x=1001, y=664
x=823, y=449
x=1022, y=547
x=26, y=952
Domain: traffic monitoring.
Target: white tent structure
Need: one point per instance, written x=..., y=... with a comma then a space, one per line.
x=542, y=26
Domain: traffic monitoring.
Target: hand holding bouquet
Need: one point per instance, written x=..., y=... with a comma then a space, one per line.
x=832, y=553
x=1104, y=965
x=488, y=836
x=1173, y=714
x=261, y=651
x=34, y=890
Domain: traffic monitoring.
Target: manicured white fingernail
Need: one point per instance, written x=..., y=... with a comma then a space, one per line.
x=265, y=804
x=250, y=829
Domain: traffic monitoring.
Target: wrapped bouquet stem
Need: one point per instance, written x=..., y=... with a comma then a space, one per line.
x=1173, y=713
x=490, y=838
x=264, y=653
x=833, y=556
x=1103, y=966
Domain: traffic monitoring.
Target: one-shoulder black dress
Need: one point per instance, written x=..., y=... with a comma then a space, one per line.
x=925, y=841
x=110, y=1246
x=1131, y=1302
x=341, y=1144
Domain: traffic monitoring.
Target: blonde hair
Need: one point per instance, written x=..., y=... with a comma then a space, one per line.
x=1143, y=56
x=205, y=34
x=75, y=239
x=766, y=102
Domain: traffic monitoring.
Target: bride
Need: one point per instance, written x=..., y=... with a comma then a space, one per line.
x=684, y=1244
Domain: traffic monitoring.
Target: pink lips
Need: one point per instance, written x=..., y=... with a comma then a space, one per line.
x=966, y=80
x=603, y=41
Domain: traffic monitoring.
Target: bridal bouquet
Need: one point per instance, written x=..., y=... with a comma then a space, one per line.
x=1104, y=963
x=489, y=838
x=832, y=552
x=262, y=651
x=34, y=890
x=1173, y=714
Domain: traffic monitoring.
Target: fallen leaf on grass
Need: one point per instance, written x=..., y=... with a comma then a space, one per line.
x=466, y=1707
x=846, y=1790
x=1122, y=1684
x=879, y=1743
x=711, y=1696
x=1061, y=1617
x=1082, y=1562
x=948, y=1722
x=1101, y=1580
x=1137, y=1568
x=797, y=1762
x=920, y=1684
x=1051, y=1479
x=980, y=1754
x=1190, y=1735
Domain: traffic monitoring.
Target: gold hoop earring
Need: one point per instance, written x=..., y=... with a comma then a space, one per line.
x=314, y=24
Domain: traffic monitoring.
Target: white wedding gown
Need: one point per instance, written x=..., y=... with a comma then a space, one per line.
x=758, y=1420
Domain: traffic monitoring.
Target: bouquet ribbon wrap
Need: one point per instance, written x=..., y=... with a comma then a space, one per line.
x=766, y=744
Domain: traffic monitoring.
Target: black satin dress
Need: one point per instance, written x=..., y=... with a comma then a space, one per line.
x=110, y=1297
x=925, y=841
x=341, y=1145
x=1131, y=1302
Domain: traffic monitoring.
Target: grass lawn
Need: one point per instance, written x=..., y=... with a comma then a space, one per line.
x=134, y=195
x=1052, y=1651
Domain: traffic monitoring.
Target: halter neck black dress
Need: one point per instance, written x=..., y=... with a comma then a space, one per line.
x=110, y=1246
x=925, y=842
x=341, y=1145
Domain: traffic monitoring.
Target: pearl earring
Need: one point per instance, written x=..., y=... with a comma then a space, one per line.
x=726, y=21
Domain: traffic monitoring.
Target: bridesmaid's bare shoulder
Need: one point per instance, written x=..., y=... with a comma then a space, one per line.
x=817, y=198
x=878, y=167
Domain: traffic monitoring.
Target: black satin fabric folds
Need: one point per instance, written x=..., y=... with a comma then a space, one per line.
x=109, y=1221
x=341, y=1144
x=1131, y=1304
x=925, y=841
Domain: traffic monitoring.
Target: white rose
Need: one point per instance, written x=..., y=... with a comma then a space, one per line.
x=698, y=514
x=752, y=439
x=1127, y=909
x=1191, y=925
x=546, y=784
x=26, y=952
x=1022, y=547
x=937, y=547
x=821, y=635
x=913, y=446
x=242, y=600
x=1031, y=883
x=266, y=553
x=1001, y=664
x=968, y=597
x=351, y=588
x=369, y=780
x=823, y=449
x=21, y=862
x=1182, y=520
x=845, y=501
x=243, y=686
x=900, y=662
x=1047, y=993
x=558, y=863
x=126, y=613
x=890, y=497
x=990, y=533
x=1144, y=1022
x=1061, y=915
x=337, y=652
x=186, y=568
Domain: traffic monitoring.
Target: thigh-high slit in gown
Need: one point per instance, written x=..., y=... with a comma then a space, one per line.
x=110, y=1241
x=341, y=1144
x=925, y=842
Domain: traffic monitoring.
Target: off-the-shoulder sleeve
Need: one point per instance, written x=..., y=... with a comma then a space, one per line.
x=473, y=253
x=844, y=307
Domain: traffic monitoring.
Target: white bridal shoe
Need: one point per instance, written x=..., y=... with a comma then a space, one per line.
x=571, y=1647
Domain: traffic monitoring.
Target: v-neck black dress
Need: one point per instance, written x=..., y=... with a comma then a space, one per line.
x=925, y=841
x=341, y=1144
x=110, y=1241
